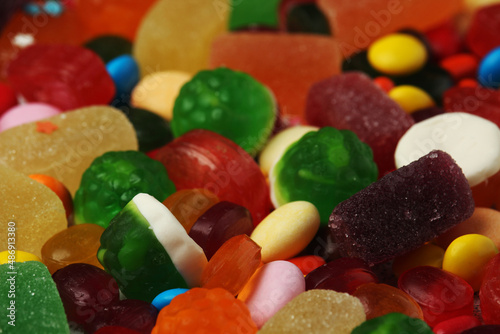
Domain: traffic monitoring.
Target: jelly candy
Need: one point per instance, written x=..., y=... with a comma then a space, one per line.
x=403, y=210
x=26, y=113
x=30, y=301
x=85, y=291
x=148, y=251
x=324, y=168
x=166, y=297
x=227, y=102
x=268, y=57
x=232, y=265
x=480, y=37
x=215, y=310
x=76, y=244
x=108, y=47
x=307, y=263
x=113, y=180
x=317, y=311
x=8, y=98
x=81, y=136
x=29, y=210
x=393, y=323
x=61, y=191
x=440, y=294
x=456, y=325
x=204, y=159
x=246, y=13
x=115, y=330
x=489, y=294
x=67, y=77
x=188, y=26
x=352, y=101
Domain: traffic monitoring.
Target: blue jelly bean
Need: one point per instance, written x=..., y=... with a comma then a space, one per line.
x=125, y=73
x=489, y=69
x=164, y=298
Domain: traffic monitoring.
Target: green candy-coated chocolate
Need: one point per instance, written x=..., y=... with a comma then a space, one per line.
x=230, y=103
x=325, y=168
x=393, y=323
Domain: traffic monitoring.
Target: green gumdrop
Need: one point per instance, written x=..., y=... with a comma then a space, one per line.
x=325, y=168
x=113, y=179
x=230, y=103
x=393, y=323
x=245, y=13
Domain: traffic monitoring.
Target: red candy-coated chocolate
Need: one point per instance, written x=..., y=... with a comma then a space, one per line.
x=204, y=159
x=456, y=325
x=385, y=83
x=444, y=40
x=461, y=66
x=8, y=98
x=67, y=77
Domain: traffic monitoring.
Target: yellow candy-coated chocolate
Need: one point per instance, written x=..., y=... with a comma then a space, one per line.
x=411, y=98
x=17, y=256
x=426, y=255
x=397, y=54
x=467, y=255
x=286, y=231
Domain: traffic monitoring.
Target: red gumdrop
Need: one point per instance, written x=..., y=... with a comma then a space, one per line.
x=482, y=36
x=444, y=40
x=116, y=330
x=489, y=293
x=218, y=224
x=456, y=325
x=65, y=76
x=8, y=98
x=204, y=159
x=440, y=294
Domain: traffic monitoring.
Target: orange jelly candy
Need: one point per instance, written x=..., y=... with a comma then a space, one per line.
x=76, y=244
x=189, y=204
x=232, y=265
x=213, y=310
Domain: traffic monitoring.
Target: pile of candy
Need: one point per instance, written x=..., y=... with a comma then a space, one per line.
x=244, y=166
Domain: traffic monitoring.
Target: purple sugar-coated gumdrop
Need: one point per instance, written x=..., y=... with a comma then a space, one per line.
x=352, y=101
x=220, y=223
x=85, y=291
x=134, y=314
x=403, y=210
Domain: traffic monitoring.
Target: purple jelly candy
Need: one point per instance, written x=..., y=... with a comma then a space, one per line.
x=403, y=210
x=352, y=101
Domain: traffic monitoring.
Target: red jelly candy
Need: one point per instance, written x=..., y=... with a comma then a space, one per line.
x=67, y=77
x=440, y=294
x=205, y=159
x=482, y=35
x=456, y=325
x=489, y=293
x=7, y=98
x=116, y=330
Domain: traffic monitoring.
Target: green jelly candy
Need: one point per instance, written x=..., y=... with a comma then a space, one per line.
x=393, y=323
x=228, y=102
x=29, y=300
x=148, y=251
x=325, y=168
x=246, y=13
x=113, y=179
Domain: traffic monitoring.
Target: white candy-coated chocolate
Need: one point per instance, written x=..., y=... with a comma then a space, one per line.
x=472, y=141
x=186, y=255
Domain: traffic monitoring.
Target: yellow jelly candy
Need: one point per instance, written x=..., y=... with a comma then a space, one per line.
x=397, y=54
x=17, y=256
x=467, y=255
x=411, y=98
x=427, y=255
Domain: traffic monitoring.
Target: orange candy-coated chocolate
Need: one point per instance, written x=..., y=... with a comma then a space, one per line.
x=232, y=265
x=58, y=187
x=213, y=310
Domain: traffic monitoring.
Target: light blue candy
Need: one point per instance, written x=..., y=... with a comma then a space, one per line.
x=125, y=73
x=489, y=69
x=164, y=298
x=53, y=8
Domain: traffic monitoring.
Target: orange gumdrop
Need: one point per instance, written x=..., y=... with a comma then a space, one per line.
x=59, y=188
x=189, y=204
x=213, y=310
x=380, y=299
x=76, y=244
x=232, y=265
x=307, y=263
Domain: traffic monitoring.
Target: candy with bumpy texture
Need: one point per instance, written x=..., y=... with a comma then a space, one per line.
x=76, y=244
x=440, y=294
x=113, y=180
x=489, y=294
x=286, y=231
x=165, y=298
x=30, y=210
x=230, y=103
x=456, y=325
x=64, y=76
x=393, y=323
x=81, y=136
x=148, y=251
x=30, y=302
x=352, y=101
x=426, y=255
x=317, y=311
x=215, y=310
x=325, y=168
x=403, y=210
x=26, y=113
x=411, y=98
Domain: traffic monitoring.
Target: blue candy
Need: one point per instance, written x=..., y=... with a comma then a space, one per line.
x=489, y=69
x=125, y=73
x=164, y=298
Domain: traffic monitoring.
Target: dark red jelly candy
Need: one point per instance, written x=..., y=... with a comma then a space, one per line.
x=85, y=291
x=352, y=101
x=403, y=210
x=489, y=294
x=64, y=76
x=220, y=223
x=482, y=35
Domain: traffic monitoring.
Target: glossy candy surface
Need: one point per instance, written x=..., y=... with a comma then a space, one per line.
x=489, y=293
x=393, y=323
x=456, y=325
x=26, y=113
